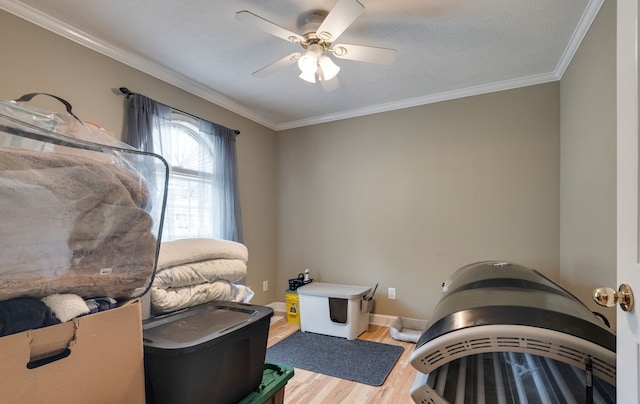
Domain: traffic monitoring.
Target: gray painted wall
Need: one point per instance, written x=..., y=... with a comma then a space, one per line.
x=402, y=198
x=405, y=198
x=35, y=60
x=588, y=163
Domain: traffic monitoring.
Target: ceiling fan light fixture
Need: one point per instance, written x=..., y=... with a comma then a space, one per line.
x=308, y=76
x=327, y=68
x=308, y=63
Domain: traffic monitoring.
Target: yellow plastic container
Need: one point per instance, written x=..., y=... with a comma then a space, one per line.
x=293, y=307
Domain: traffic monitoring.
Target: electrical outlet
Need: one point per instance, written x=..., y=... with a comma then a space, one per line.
x=392, y=293
x=265, y=286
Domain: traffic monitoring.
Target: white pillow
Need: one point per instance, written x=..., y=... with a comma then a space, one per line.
x=66, y=306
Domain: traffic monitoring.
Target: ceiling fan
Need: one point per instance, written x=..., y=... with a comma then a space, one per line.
x=318, y=32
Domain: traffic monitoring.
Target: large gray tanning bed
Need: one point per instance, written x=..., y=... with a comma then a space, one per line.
x=503, y=333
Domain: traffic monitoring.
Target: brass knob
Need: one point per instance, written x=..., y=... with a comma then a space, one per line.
x=608, y=297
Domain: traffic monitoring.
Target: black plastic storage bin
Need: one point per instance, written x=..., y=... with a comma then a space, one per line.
x=211, y=353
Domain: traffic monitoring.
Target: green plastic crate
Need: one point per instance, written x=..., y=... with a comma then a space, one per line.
x=274, y=378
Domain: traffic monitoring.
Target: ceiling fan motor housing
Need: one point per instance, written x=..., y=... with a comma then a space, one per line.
x=310, y=21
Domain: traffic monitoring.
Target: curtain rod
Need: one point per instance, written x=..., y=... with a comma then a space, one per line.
x=125, y=91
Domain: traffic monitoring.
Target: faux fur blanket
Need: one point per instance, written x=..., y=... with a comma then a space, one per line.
x=72, y=225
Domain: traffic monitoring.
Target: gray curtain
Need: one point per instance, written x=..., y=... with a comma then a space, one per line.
x=224, y=141
x=146, y=121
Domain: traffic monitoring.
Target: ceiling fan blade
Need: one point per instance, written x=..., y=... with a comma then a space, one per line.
x=277, y=65
x=268, y=27
x=341, y=16
x=330, y=85
x=371, y=54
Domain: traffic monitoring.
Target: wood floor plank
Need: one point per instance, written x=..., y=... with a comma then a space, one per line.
x=311, y=388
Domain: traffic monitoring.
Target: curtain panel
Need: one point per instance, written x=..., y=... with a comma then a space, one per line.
x=146, y=121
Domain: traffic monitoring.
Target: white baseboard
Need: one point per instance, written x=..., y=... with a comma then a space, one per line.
x=381, y=319
x=278, y=306
x=377, y=319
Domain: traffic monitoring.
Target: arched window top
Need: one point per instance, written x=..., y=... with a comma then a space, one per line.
x=189, y=150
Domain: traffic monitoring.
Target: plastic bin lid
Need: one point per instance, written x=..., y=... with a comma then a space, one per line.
x=198, y=325
x=333, y=290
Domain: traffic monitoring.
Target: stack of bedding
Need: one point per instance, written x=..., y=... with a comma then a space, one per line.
x=199, y=270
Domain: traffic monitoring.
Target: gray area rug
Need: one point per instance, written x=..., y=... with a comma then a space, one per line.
x=361, y=361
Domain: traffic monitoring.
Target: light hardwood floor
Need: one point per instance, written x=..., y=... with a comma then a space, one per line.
x=310, y=388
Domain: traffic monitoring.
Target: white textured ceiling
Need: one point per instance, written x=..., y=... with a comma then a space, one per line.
x=445, y=49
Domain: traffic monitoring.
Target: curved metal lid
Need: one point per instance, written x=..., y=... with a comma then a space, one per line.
x=502, y=307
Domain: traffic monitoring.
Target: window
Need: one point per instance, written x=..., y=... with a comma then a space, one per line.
x=192, y=210
x=202, y=198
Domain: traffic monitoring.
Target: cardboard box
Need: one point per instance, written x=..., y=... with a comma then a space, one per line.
x=96, y=358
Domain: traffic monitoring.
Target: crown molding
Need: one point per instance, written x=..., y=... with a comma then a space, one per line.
x=418, y=101
x=130, y=59
x=578, y=35
x=172, y=77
